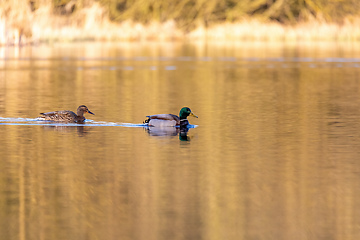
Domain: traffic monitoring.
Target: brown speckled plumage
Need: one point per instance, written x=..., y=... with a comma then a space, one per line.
x=66, y=115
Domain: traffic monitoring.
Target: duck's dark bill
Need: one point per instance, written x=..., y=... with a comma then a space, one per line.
x=91, y=112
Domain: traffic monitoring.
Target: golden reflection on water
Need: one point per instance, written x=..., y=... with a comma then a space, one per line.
x=275, y=155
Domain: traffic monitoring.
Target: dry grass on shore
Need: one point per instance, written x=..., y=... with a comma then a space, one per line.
x=92, y=24
x=253, y=30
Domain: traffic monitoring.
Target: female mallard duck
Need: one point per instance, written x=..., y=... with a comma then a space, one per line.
x=66, y=115
x=170, y=120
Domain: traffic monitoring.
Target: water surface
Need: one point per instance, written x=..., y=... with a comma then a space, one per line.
x=275, y=154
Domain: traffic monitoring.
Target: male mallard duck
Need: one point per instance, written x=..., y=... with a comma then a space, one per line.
x=170, y=120
x=66, y=115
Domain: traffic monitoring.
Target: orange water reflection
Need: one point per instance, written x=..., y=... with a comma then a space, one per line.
x=275, y=155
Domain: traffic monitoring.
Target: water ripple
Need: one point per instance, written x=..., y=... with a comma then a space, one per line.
x=88, y=122
x=40, y=122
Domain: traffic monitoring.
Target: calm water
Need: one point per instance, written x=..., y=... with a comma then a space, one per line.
x=275, y=154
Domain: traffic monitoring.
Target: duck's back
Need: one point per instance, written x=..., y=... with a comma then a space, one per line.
x=61, y=116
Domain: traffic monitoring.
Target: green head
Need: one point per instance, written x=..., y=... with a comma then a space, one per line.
x=185, y=112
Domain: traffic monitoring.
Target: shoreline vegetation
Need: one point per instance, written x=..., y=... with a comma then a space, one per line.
x=43, y=21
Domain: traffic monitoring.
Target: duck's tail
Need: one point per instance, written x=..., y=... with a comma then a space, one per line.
x=146, y=120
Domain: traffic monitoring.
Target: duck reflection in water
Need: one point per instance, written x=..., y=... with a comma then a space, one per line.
x=169, y=132
x=183, y=134
x=81, y=130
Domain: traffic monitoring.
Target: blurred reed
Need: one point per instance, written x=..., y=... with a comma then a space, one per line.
x=32, y=21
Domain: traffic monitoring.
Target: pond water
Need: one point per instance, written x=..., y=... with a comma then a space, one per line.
x=274, y=154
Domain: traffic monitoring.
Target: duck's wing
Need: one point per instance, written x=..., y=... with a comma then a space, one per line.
x=163, y=120
x=59, y=115
x=56, y=113
x=170, y=117
x=50, y=113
